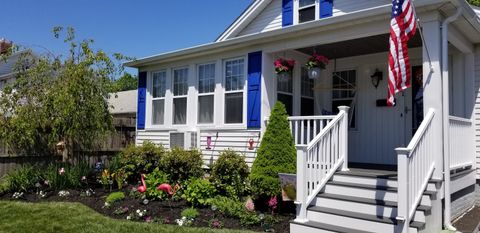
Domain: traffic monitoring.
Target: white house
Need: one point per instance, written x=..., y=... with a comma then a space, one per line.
x=402, y=159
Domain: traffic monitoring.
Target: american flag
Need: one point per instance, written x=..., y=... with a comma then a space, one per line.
x=402, y=27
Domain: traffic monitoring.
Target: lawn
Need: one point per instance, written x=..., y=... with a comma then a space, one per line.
x=75, y=217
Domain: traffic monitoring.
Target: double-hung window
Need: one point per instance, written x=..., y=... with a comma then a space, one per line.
x=285, y=93
x=307, y=99
x=180, y=91
x=234, y=89
x=344, y=90
x=307, y=10
x=206, y=89
x=159, y=86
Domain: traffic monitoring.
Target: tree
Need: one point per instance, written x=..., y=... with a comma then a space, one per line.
x=277, y=154
x=126, y=82
x=474, y=2
x=56, y=101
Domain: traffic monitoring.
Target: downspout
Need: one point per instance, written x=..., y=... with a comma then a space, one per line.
x=446, y=124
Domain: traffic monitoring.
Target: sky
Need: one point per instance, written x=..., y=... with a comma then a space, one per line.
x=134, y=28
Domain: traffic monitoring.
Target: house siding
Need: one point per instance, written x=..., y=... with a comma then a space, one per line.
x=157, y=137
x=270, y=19
x=341, y=7
x=477, y=110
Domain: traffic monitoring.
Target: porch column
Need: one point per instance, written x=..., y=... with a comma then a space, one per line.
x=268, y=88
x=432, y=83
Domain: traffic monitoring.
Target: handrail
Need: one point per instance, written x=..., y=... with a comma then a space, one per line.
x=318, y=160
x=417, y=158
x=321, y=117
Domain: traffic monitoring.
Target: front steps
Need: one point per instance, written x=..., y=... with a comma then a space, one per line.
x=361, y=201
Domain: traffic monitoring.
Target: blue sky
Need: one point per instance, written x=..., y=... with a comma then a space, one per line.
x=133, y=28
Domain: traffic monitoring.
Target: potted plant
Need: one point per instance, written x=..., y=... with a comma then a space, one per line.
x=284, y=67
x=314, y=64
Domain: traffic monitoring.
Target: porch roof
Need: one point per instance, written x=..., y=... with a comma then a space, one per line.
x=358, y=17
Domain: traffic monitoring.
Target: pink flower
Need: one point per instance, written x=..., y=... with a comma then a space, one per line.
x=61, y=171
x=249, y=205
x=291, y=63
x=148, y=219
x=272, y=203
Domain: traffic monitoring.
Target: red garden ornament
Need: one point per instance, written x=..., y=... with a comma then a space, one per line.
x=250, y=144
x=168, y=189
x=209, y=143
x=143, y=187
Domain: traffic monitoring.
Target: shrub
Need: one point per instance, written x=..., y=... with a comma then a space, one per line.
x=190, y=213
x=277, y=154
x=235, y=209
x=22, y=179
x=153, y=180
x=136, y=160
x=229, y=174
x=115, y=196
x=198, y=192
x=181, y=165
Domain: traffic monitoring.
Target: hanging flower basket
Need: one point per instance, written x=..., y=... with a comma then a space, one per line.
x=289, y=186
x=284, y=68
x=314, y=64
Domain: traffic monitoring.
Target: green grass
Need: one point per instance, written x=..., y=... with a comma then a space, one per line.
x=75, y=217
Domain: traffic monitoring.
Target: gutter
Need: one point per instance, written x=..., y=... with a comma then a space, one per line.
x=276, y=35
x=445, y=115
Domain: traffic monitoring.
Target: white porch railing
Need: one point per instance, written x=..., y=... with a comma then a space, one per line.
x=305, y=128
x=461, y=142
x=415, y=168
x=318, y=160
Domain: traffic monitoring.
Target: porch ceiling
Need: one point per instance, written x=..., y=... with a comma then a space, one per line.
x=356, y=47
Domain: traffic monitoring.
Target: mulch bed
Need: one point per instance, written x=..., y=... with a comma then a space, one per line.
x=164, y=211
x=469, y=222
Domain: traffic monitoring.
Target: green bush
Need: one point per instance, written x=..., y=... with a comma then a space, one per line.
x=136, y=160
x=229, y=174
x=277, y=154
x=22, y=179
x=198, y=192
x=190, y=213
x=71, y=178
x=235, y=209
x=153, y=180
x=115, y=196
x=182, y=165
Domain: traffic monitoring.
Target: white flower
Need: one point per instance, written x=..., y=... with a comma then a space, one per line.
x=129, y=217
x=138, y=211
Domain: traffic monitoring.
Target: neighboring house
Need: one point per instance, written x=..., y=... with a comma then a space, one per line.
x=124, y=112
x=218, y=95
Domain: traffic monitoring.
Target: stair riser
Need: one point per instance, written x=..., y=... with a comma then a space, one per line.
x=373, y=181
x=369, y=193
x=296, y=228
x=359, y=224
x=356, y=207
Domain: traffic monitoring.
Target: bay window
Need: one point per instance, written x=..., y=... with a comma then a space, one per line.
x=234, y=89
x=159, y=84
x=206, y=88
x=180, y=90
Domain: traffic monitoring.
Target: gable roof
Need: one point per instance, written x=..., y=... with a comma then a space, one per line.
x=242, y=21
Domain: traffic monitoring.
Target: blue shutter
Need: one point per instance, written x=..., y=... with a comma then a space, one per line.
x=254, y=90
x=142, y=99
x=326, y=8
x=287, y=12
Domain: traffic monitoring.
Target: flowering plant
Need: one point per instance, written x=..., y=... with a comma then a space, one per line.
x=283, y=65
x=272, y=203
x=317, y=61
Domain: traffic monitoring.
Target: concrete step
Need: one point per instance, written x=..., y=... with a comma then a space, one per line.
x=368, y=192
x=362, y=222
x=360, y=207
x=317, y=227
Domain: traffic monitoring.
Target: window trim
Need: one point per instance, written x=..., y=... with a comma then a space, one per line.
x=197, y=82
x=152, y=98
x=297, y=8
x=243, y=90
x=179, y=96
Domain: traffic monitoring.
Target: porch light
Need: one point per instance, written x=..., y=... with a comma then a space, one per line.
x=376, y=78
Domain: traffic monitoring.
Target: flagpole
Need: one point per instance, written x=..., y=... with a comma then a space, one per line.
x=421, y=36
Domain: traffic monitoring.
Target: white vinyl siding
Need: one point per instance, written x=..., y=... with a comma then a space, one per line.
x=476, y=119
x=269, y=19
x=341, y=7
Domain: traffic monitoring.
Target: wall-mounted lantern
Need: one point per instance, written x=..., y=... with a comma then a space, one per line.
x=376, y=78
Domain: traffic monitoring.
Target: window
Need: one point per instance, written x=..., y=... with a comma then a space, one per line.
x=306, y=10
x=307, y=100
x=343, y=94
x=285, y=93
x=180, y=90
x=159, y=86
x=234, y=88
x=206, y=88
